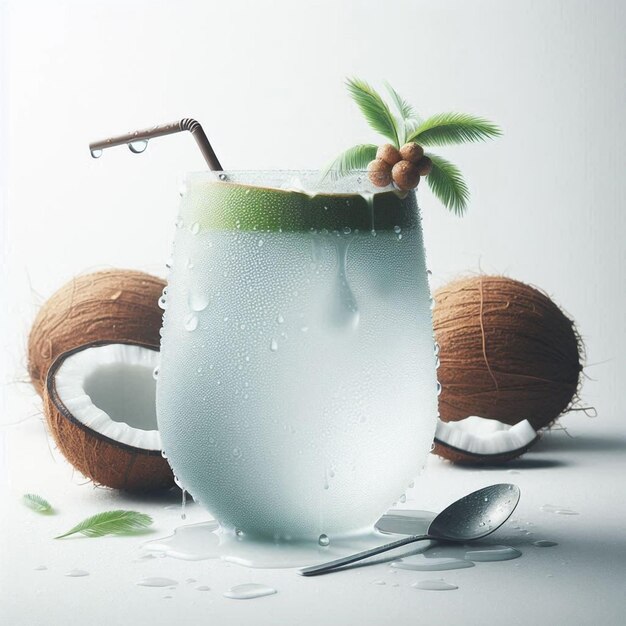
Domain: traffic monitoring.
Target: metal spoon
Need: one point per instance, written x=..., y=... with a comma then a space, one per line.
x=474, y=516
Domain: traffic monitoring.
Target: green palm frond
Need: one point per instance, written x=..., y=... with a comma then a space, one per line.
x=110, y=523
x=36, y=503
x=355, y=158
x=449, y=128
x=409, y=120
x=446, y=182
x=374, y=108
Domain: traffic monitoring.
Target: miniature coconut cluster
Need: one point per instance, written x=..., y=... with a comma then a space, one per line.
x=404, y=166
x=91, y=353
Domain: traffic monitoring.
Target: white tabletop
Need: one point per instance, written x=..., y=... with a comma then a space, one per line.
x=579, y=581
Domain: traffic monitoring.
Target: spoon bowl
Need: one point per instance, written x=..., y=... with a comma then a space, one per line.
x=472, y=517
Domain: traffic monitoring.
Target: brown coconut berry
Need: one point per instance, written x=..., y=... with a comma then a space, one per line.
x=388, y=153
x=405, y=175
x=113, y=305
x=379, y=172
x=424, y=166
x=411, y=152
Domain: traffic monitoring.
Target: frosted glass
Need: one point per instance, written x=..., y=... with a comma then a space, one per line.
x=296, y=393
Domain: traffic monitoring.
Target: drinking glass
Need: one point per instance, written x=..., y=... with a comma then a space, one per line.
x=296, y=393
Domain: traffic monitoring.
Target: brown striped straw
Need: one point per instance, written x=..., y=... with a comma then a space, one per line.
x=137, y=140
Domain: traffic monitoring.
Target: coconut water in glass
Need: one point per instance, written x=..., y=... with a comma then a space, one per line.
x=297, y=393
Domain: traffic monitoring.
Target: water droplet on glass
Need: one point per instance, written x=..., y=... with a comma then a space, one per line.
x=486, y=499
x=438, y=388
x=195, y=228
x=323, y=540
x=96, y=154
x=162, y=303
x=237, y=453
x=403, y=498
x=397, y=230
x=191, y=322
x=280, y=319
x=222, y=176
x=273, y=345
x=260, y=243
x=155, y=373
x=198, y=301
x=137, y=147
x=239, y=532
x=437, y=349
x=347, y=230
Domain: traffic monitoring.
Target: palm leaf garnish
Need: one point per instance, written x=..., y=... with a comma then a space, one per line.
x=450, y=128
x=355, y=158
x=374, y=109
x=36, y=503
x=110, y=523
x=446, y=182
x=445, y=179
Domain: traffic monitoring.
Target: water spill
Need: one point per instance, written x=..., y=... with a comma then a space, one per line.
x=344, y=307
x=423, y=563
x=493, y=553
x=77, y=573
x=190, y=580
x=434, y=585
x=40, y=568
x=157, y=581
x=559, y=510
x=249, y=591
x=203, y=588
x=139, y=146
x=544, y=543
x=196, y=542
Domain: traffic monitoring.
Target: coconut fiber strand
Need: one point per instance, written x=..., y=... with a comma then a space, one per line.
x=507, y=352
x=112, y=305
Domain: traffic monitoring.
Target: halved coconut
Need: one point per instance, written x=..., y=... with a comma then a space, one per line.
x=481, y=441
x=100, y=403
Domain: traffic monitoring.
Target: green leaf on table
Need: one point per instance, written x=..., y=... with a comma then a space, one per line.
x=450, y=128
x=355, y=158
x=36, y=503
x=446, y=182
x=374, y=109
x=110, y=523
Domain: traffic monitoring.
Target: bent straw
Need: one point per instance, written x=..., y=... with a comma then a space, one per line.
x=186, y=123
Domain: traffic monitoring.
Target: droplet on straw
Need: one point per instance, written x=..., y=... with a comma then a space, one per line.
x=96, y=154
x=137, y=147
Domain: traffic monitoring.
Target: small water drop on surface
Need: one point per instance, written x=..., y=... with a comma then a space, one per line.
x=96, y=154
x=239, y=532
x=544, y=543
x=163, y=454
x=195, y=228
x=437, y=349
x=323, y=540
x=378, y=582
x=438, y=388
x=162, y=303
x=486, y=499
x=191, y=322
x=222, y=176
x=249, y=591
x=494, y=553
x=402, y=498
x=237, y=453
x=198, y=301
x=397, y=230
x=280, y=319
x=203, y=588
x=139, y=146
x=273, y=345
x=191, y=580
x=156, y=581
x=347, y=230
x=155, y=373
x=260, y=243
x=40, y=568
x=77, y=573
x=434, y=585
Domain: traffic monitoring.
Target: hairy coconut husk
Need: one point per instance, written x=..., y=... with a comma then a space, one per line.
x=112, y=305
x=105, y=461
x=507, y=352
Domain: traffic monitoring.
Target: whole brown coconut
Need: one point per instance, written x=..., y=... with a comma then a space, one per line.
x=112, y=305
x=506, y=352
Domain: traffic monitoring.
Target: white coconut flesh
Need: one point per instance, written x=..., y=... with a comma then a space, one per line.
x=111, y=390
x=484, y=437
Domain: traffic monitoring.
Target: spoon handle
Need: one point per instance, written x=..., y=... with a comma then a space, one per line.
x=324, y=568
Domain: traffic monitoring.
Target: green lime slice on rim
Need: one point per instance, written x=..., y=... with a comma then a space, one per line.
x=224, y=205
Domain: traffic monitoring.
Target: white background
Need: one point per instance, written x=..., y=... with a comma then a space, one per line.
x=265, y=80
